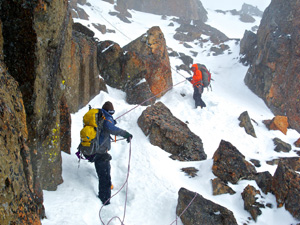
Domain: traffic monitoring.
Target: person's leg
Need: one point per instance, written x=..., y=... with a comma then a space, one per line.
x=103, y=171
x=197, y=97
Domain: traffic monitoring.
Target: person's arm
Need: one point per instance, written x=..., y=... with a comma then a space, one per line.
x=114, y=130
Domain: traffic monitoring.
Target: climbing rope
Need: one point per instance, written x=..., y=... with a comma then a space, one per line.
x=126, y=194
x=169, y=88
x=185, y=209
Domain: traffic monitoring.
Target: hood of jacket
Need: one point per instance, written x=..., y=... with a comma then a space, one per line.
x=195, y=65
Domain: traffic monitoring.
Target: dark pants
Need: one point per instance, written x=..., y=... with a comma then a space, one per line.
x=197, y=96
x=103, y=171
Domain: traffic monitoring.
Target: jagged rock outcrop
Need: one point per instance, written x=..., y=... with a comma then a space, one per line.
x=144, y=61
x=186, y=9
x=245, y=122
x=201, y=210
x=286, y=188
x=275, y=71
x=20, y=204
x=230, y=165
x=170, y=134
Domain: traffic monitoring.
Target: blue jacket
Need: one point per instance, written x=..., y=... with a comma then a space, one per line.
x=108, y=129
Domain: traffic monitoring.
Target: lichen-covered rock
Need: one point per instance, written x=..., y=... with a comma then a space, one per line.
x=151, y=48
x=171, y=134
x=250, y=203
x=20, y=203
x=201, y=210
x=220, y=187
x=286, y=188
x=143, y=61
x=65, y=126
x=230, y=165
x=276, y=67
x=40, y=55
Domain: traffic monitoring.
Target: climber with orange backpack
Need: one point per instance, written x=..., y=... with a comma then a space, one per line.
x=198, y=84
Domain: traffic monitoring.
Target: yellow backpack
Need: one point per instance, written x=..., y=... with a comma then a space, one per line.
x=90, y=133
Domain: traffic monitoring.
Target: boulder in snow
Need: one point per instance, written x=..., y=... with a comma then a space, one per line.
x=230, y=165
x=171, y=134
x=201, y=210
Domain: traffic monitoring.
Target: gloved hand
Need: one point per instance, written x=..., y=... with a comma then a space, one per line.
x=189, y=78
x=128, y=137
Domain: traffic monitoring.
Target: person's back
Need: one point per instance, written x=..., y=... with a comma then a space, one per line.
x=197, y=76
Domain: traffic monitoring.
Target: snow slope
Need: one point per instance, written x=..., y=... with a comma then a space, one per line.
x=154, y=178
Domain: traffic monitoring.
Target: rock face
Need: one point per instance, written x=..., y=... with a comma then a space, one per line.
x=186, y=9
x=276, y=67
x=286, y=188
x=201, y=210
x=171, y=134
x=56, y=74
x=83, y=82
x=19, y=201
x=230, y=165
x=34, y=50
x=141, y=65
